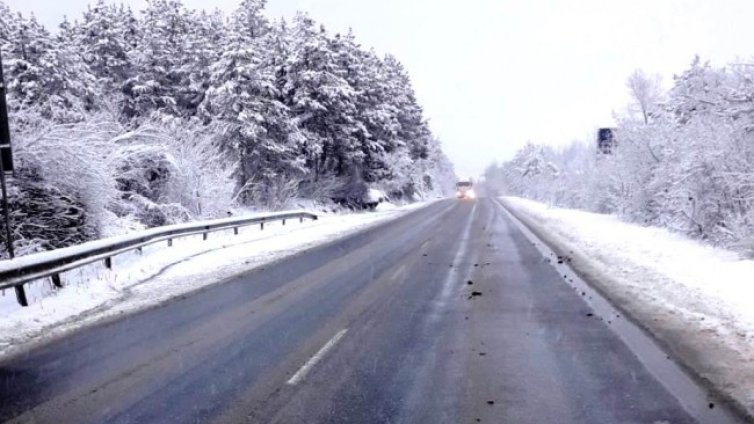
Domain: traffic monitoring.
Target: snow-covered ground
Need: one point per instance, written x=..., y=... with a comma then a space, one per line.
x=696, y=299
x=93, y=292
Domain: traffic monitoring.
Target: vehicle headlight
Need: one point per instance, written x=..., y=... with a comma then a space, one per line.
x=470, y=194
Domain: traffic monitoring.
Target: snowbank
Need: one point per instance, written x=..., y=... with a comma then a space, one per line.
x=93, y=292
x=697, y=300
x=375, y=196
x=385, y=206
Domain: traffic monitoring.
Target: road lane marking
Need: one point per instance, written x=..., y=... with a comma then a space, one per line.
x=452, y=276
x=301, y=373
x=398, y=273
x=455, y=272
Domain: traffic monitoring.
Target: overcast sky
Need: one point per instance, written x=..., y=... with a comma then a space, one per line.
x=494, y=74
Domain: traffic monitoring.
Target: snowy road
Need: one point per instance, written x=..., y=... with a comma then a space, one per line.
x=448, y=314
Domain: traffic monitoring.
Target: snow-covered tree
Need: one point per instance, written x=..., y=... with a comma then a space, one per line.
x=645, y=92
x=170, y=114
x=106, y=34
x=321, y=101
x=257, y=129
x=159, y=60
x=44, y=73
x=685, y=165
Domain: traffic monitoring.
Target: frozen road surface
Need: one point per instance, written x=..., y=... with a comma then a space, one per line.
x=448, y=314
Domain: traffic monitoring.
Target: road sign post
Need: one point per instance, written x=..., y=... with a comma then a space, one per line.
x=6, y=212
x=6, y=161
x=6, y=165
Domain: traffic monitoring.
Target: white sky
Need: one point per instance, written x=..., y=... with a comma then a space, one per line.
x=494, y=74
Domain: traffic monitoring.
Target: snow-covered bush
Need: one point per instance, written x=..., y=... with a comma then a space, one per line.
x=96, y=175
x=73, y=158
x=203, y=183
x=144, y=173
x=274, y=193
x=144, y=170
x=321, y=190
x=42, y=217
x=168, y=173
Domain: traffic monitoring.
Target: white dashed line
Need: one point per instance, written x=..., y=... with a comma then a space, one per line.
x=301, y=373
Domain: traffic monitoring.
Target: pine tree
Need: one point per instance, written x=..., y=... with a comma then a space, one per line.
x=322, y=102
x=243, y=94
x=103, y=36
x=45, y=73
x=203, y=48
x=158, y=61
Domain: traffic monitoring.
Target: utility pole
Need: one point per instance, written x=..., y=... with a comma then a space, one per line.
x=6, y=165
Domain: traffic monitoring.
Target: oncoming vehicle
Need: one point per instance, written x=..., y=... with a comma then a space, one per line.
x=465, y=190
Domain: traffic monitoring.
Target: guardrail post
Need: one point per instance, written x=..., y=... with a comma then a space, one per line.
x=261, y=225
x=235, y=230
x=139, y=251
x=300, y=219
x=56, y=281
x=283, y=221
x=21, y=296
x=109, y=263
x=204, y=236
x=170, y=242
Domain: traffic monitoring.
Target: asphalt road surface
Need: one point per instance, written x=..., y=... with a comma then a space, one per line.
x=446, y=315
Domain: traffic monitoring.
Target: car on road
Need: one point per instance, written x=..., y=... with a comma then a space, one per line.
x=465, y=190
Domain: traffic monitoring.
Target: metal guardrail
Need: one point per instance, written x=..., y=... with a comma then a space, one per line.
x=17, y=272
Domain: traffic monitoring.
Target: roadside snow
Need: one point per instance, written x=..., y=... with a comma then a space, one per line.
x=696, y=299
x=374, y=196
x=93, y=293
x=385, y=206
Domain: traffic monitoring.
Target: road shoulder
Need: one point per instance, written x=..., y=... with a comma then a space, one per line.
x=721, y=364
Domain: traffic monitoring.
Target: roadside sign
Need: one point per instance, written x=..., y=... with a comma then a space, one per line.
x=6, y=155
x=606, y=140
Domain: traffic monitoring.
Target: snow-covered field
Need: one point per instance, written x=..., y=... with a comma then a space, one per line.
x=93, y=292
x=696, y=299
